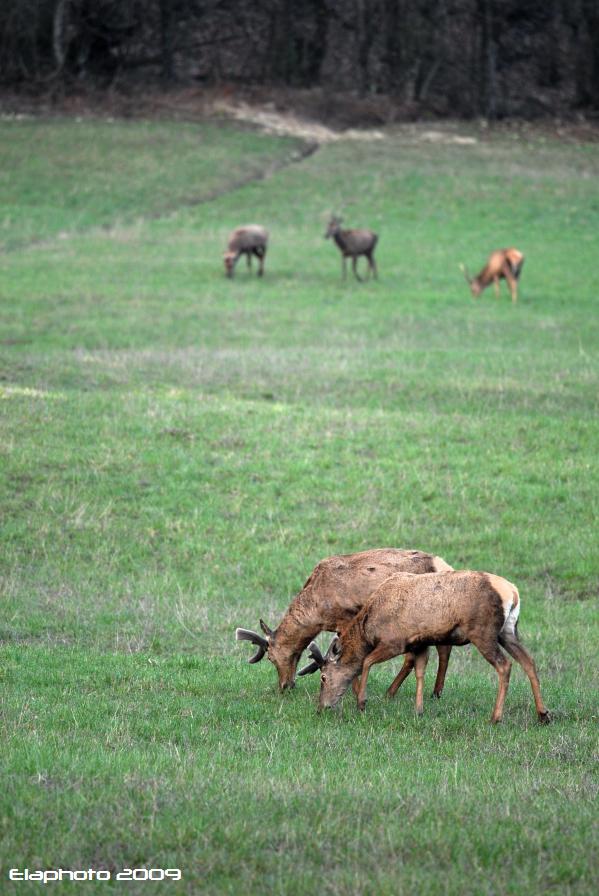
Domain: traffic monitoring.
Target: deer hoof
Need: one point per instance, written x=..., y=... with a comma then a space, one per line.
x=544, y=717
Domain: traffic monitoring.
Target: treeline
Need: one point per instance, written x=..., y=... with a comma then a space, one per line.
x=448, y=57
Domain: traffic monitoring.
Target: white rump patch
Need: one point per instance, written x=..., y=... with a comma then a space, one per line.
x=511, y=618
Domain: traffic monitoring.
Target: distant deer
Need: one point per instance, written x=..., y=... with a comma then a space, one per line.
x=337, y=588
x=503, y=263
x=249, y=240
x=352, y=244
x=409, y=613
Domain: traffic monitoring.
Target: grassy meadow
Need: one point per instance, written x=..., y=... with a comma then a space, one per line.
x=178, y=450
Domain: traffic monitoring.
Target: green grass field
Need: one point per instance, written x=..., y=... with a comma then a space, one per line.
x=178, y=450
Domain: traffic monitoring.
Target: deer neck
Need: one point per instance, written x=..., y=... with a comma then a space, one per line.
x=339, y=237
x=297, y=629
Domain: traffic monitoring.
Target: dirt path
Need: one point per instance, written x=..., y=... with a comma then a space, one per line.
x=286, y=124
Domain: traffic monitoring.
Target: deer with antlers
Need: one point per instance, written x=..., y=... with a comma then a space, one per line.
x=503, y=264
x=410, y=613
x=336, y=590
x=353, y=243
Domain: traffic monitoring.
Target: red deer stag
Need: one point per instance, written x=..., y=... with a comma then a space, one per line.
x=409, y=613
x=335, y=591
x=249, y=240
x=352, y=244
x=503, y=263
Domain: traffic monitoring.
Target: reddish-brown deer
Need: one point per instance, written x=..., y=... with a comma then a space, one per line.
x=337, y=588
x=249, y=240
x=409, y=613
x=503, y=264
x=352, y=244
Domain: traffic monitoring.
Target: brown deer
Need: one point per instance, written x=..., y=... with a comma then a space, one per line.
x=249, y=240
x=352, y=244
x=335, y=591
x=503, y=263
x=409, y=613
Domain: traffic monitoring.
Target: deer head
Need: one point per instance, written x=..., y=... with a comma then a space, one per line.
x=333, y=227
x=335, y=674
x=334, y=678
x=284, y=659
x=229, y=259
x=472, y=282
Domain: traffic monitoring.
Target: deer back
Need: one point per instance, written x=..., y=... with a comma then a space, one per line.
x=355, y=242
x=249, y=237
x=340, y=586
x=495, y=266
x=437, y=608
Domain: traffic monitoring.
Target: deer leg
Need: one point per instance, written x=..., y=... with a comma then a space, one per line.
x=344, y=266
x=261, y=253
x=513, y=285
x=354, y=264
x=519, y=652
x=356, y=686
x=492, y=653
x=444, y=651
x=373, y=266
x=510, y=279
x=420, y=667
x=379, y=655
x=496, y=286
x=408, y=665
x=248, y=256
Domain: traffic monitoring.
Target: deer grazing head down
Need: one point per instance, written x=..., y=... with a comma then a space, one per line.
x=414, y=612
x=280, y=655
x=251, y=241
x=502, y=264
x=336, y=589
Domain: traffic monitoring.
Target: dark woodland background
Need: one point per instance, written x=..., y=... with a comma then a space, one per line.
x=459, y=58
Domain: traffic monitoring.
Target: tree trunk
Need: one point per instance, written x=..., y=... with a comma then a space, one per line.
x=393, y=51
x=59, y=22
x=488, y=100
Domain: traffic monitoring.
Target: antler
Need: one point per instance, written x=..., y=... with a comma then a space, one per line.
x=245, y=634
x=464, y=271
x=318, y=660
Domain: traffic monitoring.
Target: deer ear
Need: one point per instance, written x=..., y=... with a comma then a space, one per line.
x=334, y=649
x=267, y=631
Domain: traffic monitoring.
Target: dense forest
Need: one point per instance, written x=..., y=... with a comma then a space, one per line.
x=491, y=58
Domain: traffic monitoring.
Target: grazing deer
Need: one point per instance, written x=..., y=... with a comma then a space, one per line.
x=409, y=613
x=503, y=263
x=352, y=244
x=335, y=591
x=249, y=240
